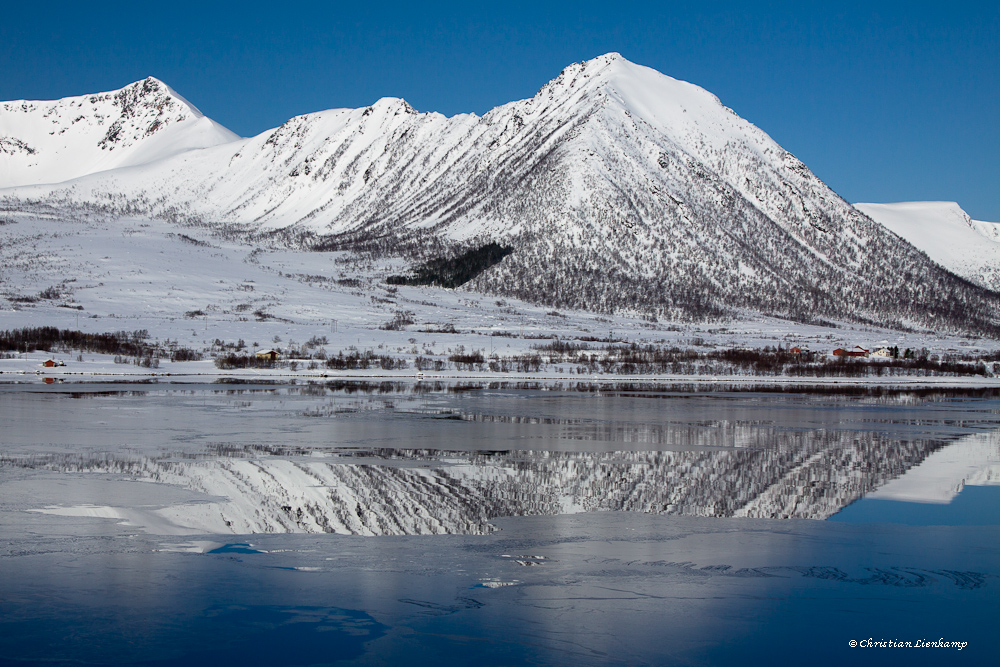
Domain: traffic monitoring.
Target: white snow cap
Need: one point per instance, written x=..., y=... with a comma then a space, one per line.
x=54, y=141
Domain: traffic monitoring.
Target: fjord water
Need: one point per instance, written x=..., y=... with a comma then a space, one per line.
x=494, y=524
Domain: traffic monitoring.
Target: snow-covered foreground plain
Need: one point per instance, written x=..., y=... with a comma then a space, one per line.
x=372, y=524
x=189, y=288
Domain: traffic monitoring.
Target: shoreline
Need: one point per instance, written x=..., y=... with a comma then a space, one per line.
x=101, y=373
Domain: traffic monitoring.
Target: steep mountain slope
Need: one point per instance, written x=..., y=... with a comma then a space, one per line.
x=54, y=141
x=619, y=189
x=969, y=248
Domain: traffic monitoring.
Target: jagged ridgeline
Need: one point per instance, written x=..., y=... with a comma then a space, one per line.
x=454, y=271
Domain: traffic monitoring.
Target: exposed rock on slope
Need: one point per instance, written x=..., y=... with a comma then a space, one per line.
x=51, y=142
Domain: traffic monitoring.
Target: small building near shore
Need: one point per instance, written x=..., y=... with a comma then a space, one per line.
x=270, y=355
x=801, y=353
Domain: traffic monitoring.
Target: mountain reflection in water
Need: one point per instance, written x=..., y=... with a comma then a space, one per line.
x=116, y=506
x=665, y=457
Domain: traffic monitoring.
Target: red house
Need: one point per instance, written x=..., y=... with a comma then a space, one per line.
x=858, y=351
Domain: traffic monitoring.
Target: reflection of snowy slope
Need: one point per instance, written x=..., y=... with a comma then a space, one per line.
x=805, y=475
x=973, y=460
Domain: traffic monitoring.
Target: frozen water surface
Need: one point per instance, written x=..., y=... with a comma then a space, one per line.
x=493, y=524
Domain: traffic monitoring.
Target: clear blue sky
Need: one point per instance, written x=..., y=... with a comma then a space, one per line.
x=884, y=101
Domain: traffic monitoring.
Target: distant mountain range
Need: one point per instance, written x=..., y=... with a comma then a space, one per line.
x=969, y=248
x=616, y=188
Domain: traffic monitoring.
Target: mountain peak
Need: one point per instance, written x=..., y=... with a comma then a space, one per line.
x=605, y=60
x=599, y=62
x=630, y=82
x=393, y=105
x=691, y=115
x=57, y=140
x=584, y=72
x=153, y=91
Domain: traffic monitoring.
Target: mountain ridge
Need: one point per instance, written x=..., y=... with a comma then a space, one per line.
x=619, y=188
x=58, y=140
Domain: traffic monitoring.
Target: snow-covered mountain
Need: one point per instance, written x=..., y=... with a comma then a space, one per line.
x=618, y=188
x=969, y=248
x=51, y=142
